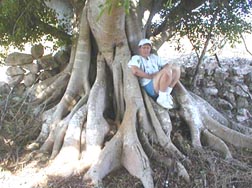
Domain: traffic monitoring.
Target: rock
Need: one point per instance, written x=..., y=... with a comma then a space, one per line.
x=18, y=58
x=210, y=83
x=250, y=87
x=33, y=67
x=225, y=104
x=240, y=118
x=243, y=112
x=37, y=51
x=243, y=115
x=15, y=80
x=48, y=62
x=210, y=66
x=242, y=90
x=241, y=102
x=29, y=79
x=19, y=89
x=230, y=97
x=4, y=88
x=220, y=75
x=210, y=91
x=62, y=58
x=242, y=70
x=13, y=71
x=248, y=80
x=47, y=74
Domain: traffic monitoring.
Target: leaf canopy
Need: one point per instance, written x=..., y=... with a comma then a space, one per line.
x=25, y=21
x=28, y=20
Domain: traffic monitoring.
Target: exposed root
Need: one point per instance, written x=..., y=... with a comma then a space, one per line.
x=67, y=159
x=97, y=127
x=163, y=160
x=217, y=144
x=208, y=122
x=108, y=161
x=47, y=118
x=162, y=126
x=69, y=124
x=118, y=91
x=190, y=113
x=59, y=136
x=212, y=112
x=48, y=144
x=120, y=51
x=37, y=89
x=77, y=86
x=228, y=135
x=75, y=133
x=123, y=149
x=134, y=158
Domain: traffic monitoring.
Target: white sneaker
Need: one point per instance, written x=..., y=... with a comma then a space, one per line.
x=165, y=102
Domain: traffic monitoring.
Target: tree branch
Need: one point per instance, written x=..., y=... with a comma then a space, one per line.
x=246, y=47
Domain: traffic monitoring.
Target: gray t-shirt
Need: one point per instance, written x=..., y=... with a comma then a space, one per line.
x=150, y=65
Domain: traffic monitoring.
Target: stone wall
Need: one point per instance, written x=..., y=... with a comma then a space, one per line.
x=24, y=70
x=226, y=84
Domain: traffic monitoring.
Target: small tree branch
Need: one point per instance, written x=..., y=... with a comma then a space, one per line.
x=200, y=61
x=19, y=17
x=246, y=47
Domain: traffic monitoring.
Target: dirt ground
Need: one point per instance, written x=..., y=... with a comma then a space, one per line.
x=207, y=170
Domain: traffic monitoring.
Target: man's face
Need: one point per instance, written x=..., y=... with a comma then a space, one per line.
x=145, y=50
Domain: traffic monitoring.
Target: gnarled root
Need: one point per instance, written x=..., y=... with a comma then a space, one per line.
x=164, y=160
x=162, y=127
x=123, y=149
x=67, y=160
x=204, y=121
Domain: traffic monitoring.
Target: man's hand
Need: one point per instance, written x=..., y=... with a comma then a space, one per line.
x=138, y=72
x=153, y=75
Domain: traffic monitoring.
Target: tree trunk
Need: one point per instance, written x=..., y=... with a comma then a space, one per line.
x=115, y=107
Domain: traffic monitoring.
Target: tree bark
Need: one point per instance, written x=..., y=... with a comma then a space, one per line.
x=115, y=105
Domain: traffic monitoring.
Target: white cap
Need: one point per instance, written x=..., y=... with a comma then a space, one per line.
x=144, y=41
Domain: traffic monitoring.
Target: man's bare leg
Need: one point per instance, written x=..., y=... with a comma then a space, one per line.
x=176, y=72
x=161, y=82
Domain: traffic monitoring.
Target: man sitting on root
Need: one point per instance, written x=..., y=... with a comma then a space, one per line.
x=155, y=75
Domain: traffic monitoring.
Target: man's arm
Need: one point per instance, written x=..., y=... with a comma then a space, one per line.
x=138, y=72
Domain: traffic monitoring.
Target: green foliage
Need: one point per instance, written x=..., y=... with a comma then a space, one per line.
x=215, y=21
x=109, y=4
x=169, y=3
x=25, y=21
x=220, y=21
x=28, y=20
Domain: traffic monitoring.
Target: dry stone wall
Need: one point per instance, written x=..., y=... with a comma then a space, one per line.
x=226, y=84
x=24, y=70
